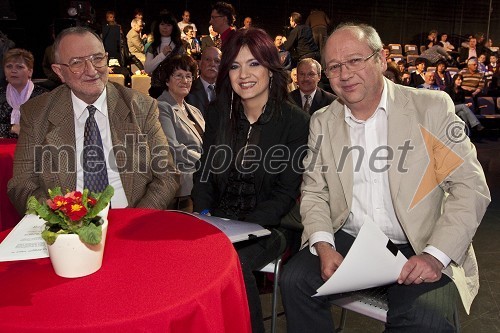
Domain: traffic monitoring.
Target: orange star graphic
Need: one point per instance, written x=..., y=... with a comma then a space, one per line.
x=442, y=162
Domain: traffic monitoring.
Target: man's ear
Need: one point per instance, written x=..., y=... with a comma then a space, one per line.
x=57, y=69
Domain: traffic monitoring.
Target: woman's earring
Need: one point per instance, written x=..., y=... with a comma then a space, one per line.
x=231, y=108
x=270, y=82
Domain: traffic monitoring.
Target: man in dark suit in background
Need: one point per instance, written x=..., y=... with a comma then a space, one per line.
x=211, y=40
x=309, y=96
x=203, y=88
x=89, y=129
x=300, y=42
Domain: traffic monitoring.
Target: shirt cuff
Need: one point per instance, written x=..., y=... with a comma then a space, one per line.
x=438, y=254
x=320, y=236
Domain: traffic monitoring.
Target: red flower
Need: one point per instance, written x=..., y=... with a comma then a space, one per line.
x=57, y=202
x=75, y=211
x=91, y=201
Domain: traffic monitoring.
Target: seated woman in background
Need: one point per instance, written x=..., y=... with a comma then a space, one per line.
x=462, y=109
x=166, y=43
x=441, y=76
x=18, y=68
x=183, y=125
x=254, y=143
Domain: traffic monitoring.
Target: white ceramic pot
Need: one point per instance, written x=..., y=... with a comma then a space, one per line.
x=71, y=258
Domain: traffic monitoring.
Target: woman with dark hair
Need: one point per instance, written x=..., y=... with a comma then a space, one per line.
x=18, y=68
x=254, y=143
x=182, y=123
x=462, y=109
x=441, y=76
x=166, y=43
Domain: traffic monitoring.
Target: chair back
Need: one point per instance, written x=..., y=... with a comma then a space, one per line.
x=141, y=83
x=411, y=49
x=117, y=78
x=410, y=59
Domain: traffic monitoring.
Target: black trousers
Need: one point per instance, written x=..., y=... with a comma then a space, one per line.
x=255, y=254
x=427, y=307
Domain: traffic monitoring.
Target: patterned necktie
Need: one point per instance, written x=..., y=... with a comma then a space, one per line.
x=95, y=174
x=307, y=104
x=211, y=92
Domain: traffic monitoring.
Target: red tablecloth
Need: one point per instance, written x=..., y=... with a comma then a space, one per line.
x=8, y=214
x=162, y=272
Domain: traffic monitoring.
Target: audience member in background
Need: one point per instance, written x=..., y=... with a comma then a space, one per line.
x=417, y=77
x=300, y=42
x=443, y=40
x=441, y=76
x=309, y=97
x=285, y=57
x=403, y=73
x=183, y=125
x=192, y=45
x=387, y=53
x=360, y=188
x=186, y=20
x=250, y=120
x=430, y=82
x=247, y=23
x=473, y=80
x=222, y=19
x=123, y=65
x=166, y=43
x=436, y=53
x=18, y=67
x=135, y=39
x=212, y=39
x=110, y=18
x=493, y=67
x=431, y=39
x=292, y=82
x=319, y=23
x=481, y=66
x=468, y=52
x=462, y=109
x=203, y=88
x=392, y=73
x=56, y=121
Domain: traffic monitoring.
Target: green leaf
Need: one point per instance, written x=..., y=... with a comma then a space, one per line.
x=54, y=192
x=90, y=234
x=102, y=201
x=32, y=205
x=49, y=236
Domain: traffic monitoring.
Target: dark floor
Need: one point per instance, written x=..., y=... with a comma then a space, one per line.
x=485, y=312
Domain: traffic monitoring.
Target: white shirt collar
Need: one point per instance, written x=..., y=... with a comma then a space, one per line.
x=79, y=106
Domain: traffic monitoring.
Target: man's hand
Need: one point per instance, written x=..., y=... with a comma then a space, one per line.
x=329, y=258
x=419, y=269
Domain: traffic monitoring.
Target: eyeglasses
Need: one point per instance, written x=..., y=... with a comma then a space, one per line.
x=213, y=17
x=78, y=65
x=180, y=77
x=354, y=64
x=310, y=75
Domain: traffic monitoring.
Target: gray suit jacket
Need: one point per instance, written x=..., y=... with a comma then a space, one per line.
x=321, y=99
x=198, y=97
x=148, y=175
x=185, y=141
x=446, y=218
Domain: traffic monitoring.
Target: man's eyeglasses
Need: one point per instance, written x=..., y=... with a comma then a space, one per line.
x=310, y=75
x=354, y=64
x=180, y=77
x=78, y=65
x=213, y=17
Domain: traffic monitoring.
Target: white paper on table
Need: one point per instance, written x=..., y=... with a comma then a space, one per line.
x=369, y=263
x=25, y=241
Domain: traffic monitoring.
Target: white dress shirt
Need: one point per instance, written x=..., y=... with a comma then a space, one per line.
x=303, y=98
x=119, y=199
x=371, y=201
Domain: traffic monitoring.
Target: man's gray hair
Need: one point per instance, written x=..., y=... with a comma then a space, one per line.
x=312, y=62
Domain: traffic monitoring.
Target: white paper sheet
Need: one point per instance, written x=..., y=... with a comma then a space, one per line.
x=369, y=263
x=25, y=241
x=236, y=231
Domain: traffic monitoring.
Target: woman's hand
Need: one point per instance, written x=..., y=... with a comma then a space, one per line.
x=166, y=50
x=15, y=129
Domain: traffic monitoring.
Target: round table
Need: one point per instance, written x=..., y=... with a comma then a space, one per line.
x=8, y=214
x=163, y=271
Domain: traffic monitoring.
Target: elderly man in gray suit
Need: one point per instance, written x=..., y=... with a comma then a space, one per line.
x=203, y=88
x=89, y=128
x=397, y=157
